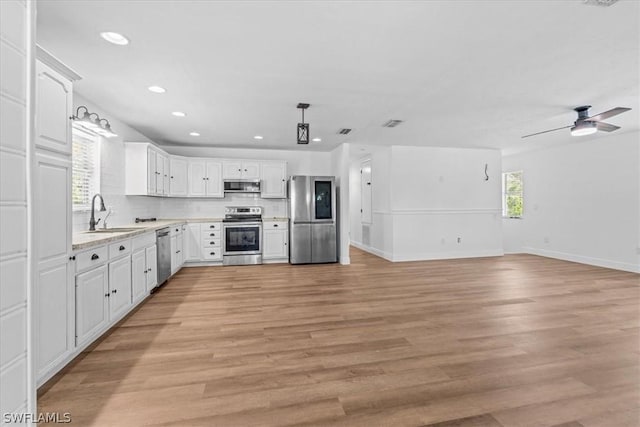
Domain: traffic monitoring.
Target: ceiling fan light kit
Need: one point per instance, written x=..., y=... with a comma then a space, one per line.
x=586, y=125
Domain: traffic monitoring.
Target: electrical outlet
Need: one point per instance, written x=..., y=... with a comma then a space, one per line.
x=546, y=239
x=442, y=241
x=459, y=239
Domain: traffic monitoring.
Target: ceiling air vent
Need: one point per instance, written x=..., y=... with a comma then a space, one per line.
x=599, y=2
x=392, y=123
x=344, y=131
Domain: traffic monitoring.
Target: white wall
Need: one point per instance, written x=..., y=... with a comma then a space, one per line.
x=581, y=202
x=17, y=384
x=425, y=198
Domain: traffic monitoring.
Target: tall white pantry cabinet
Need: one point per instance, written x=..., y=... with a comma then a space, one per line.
x=54, y=286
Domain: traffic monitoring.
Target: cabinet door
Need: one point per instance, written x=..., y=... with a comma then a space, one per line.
x=92, y=304
x=165, y=175
x=250, y=170
x=53, y=108
x=179, y=250
x=232, y=169
x=152, y=172
x=192, y=242
x=197, y=178
x=178, y=177
x=160, y=172
x=119, y=287
x=138, y=275
x=275, y=244
x=274, y=180
x=55, y=322
x=214, y=179
x=152, y=262
x=173, y=244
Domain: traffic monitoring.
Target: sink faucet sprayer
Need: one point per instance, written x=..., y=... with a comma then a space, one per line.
x=92, y=221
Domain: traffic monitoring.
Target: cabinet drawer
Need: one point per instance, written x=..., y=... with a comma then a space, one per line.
x=206, y=226
x=91, y=258
x=211, y=234
x=210, y=243
x=143, y=241
x=211, y=254
x=275, y=225
x=120, y=248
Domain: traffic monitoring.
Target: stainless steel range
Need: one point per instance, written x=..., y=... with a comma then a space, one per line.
x=242, y=231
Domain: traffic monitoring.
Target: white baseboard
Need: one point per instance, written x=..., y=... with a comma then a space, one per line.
x=447, y=255
x=345, y=260
x=598, y=262
x=372, y=250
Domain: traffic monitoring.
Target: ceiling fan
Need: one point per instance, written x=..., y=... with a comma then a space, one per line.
x=586, y=125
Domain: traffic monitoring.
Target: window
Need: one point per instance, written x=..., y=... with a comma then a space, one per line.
x=86, y=169
x=512, y=194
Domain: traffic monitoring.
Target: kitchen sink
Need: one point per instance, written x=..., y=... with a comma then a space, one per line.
x=115, y=230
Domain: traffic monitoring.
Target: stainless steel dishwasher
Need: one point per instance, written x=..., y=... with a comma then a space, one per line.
x=164, y=255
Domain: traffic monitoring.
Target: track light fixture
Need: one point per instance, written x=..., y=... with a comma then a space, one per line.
x=95, y=125
x=303, y=128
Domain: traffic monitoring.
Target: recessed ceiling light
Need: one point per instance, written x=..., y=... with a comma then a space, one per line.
x=157, y=89
x=115, y=38
x=257, y=137
x=317, y=139
x=178, y=114
x=194, y=134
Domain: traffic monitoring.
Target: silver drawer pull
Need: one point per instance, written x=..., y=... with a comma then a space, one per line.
x=94, y=257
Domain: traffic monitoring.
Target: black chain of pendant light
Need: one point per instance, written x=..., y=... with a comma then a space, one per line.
x=303, y=128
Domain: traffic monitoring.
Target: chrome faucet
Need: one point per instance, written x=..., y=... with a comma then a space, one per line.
x=92, y=221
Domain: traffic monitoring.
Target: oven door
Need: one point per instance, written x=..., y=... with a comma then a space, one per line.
x=242, y=238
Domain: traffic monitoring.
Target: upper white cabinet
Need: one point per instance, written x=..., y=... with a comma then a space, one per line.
x=205, y=178
x=177, y=176
x=273, y=176
x=240, y=169
x=54, y=104
x=146, y=170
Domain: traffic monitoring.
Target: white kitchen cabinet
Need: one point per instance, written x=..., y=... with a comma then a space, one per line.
x=119, y=287
x=176, y=241
x=151, y=256
x=273, y=177
x=146, y=170
x=177, y=176
x=205, y=178
x=240, y=169
x=192, y=242
x=54, y=107
x=180, y=249
x=92, y=304
x=138, y=275
x=275, y=241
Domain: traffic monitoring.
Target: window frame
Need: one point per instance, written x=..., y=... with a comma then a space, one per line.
x=505, y=194
x=88, y=136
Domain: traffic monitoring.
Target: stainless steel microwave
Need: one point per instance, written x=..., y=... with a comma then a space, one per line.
x=241, y=185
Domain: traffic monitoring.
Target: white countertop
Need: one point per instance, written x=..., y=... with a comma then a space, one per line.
x=86, y=239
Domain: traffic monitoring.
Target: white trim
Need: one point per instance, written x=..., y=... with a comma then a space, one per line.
x=46, y=57
x=372, y=251
x=345, y=260
x=597, y=262
x=448, y=255
x=438, y=211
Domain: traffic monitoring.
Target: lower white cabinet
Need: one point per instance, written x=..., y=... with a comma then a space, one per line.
x=92, y=304
x=119, y=287
x=275, y=241
x=176, y=243
x=192, y=242
x=151, y=256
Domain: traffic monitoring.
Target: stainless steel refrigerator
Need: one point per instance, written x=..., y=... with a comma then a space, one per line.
x=312, y=212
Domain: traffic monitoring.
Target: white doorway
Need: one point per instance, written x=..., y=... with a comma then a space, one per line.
x=365, y=192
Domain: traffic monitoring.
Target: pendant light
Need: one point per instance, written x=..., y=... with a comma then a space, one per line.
x=303, y=128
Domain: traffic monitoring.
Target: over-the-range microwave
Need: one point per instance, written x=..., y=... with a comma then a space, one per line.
x=241, y=185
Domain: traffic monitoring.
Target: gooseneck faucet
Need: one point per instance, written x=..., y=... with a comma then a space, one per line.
x=92, y=221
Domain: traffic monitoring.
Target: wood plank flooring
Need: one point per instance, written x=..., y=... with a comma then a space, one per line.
x=517, y=340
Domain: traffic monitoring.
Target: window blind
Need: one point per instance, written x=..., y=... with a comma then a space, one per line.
x=86, y=168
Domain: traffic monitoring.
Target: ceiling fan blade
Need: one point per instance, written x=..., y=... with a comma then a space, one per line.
x=606, y=127
x=545, y=131
x=607, y=114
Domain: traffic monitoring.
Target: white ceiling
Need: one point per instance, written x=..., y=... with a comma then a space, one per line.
x=459, y=73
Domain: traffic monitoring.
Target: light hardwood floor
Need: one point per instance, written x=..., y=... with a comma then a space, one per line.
x=508, y=341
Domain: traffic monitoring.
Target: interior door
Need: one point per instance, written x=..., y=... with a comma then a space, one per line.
x=365, y=192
